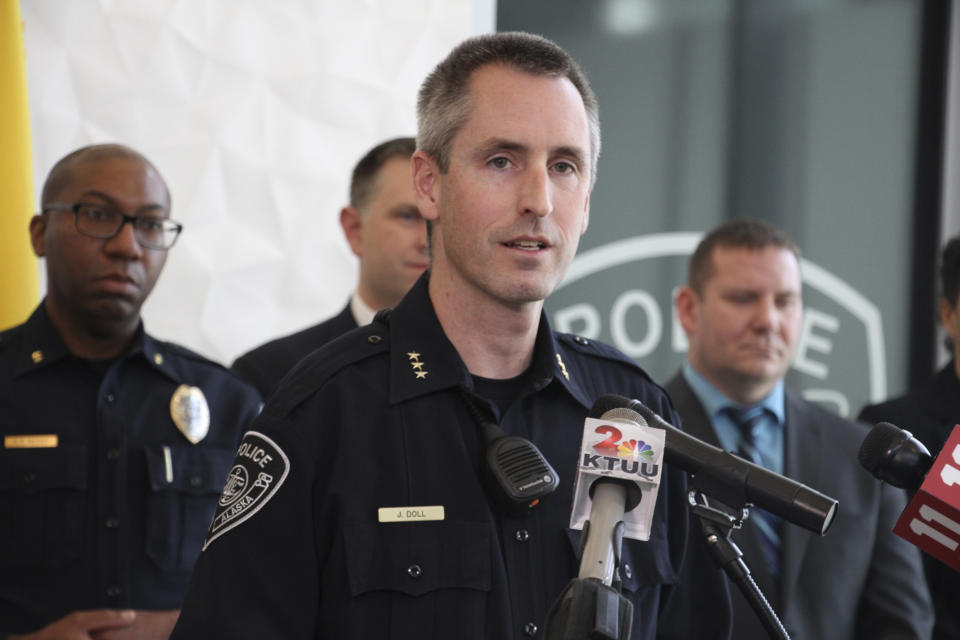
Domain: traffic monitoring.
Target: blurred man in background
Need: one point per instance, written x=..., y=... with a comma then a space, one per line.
x=387, y=233
x=930, y=413
x=741, y=310
x=115, y=444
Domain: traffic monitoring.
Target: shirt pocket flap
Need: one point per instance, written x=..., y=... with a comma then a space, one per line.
x=188, y=469
x=642, y=564
x=29, y=470
x=417, y=558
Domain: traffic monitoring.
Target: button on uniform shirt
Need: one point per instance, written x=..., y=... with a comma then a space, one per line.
x=356, y=507
x=104, y=502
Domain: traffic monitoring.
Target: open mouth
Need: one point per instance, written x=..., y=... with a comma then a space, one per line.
x=526, y=245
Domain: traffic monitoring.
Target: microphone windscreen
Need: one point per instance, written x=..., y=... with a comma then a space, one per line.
x=608, y=402
x=893, y=455
x=874, y=450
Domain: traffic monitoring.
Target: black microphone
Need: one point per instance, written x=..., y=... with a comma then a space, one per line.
x=893, y=455
x=931, y=519
x=731, y=479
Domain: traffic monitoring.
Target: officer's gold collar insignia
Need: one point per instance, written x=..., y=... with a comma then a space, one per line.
x=158, y=359
x=417, y=365
x=37, y=356
x=563, y=367
x=189, y=410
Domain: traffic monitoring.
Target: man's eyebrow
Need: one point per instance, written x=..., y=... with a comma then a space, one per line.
x=502, y=144
x=106, y=197
x=571, y=152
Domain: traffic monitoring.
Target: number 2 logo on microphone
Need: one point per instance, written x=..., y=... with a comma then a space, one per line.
x=615, y=445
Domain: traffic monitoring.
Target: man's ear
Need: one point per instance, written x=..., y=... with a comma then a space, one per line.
x=426, y=184
x=351, y=220
x=685, y=302
x=38, y=229
x=586, y=215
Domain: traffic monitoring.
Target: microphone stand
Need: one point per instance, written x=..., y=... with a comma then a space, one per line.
x=589, y=609
x=717, y=526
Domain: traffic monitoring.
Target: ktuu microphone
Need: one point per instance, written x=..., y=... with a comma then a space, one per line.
x=618, y=470
x=618, y=477
x=731, y=479
x=931, y=520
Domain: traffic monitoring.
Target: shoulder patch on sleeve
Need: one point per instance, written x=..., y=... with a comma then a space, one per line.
x=259, y=469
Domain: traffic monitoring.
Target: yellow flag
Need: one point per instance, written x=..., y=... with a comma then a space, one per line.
x=18, y=264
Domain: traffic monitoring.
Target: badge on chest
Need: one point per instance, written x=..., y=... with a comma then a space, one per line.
x=190, y=412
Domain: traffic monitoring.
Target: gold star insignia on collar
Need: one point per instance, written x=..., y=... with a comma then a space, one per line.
x=417, y=365
x=563, y=367
x=37, y=356
x=158, y=359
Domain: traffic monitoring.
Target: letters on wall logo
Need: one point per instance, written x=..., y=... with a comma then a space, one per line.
x=622, y=293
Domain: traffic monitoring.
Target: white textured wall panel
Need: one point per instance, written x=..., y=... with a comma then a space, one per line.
x=255, y=112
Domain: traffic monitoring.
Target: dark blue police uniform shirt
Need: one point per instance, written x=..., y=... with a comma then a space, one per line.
x=115, y=514
x=376, y=419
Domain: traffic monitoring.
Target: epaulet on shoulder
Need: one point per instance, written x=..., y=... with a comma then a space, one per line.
x=184, y=352
x=7, y=336
x=595, y=348
x=313, y=371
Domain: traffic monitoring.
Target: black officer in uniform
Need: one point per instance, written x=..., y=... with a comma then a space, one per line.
x=115, y=444
x=356, y=506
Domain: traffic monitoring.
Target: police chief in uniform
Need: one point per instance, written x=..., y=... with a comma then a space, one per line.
x=356, y=508
x=115, y=444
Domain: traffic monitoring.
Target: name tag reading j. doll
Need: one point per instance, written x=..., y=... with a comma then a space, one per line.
x=409, y=514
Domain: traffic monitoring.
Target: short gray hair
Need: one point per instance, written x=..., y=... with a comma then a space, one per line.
x=443, y=102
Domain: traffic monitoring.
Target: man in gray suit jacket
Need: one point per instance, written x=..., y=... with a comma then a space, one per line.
x=741, y=311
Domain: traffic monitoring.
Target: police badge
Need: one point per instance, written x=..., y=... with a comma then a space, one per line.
x=189, y=410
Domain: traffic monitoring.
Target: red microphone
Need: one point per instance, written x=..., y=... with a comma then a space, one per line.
x=931, y=520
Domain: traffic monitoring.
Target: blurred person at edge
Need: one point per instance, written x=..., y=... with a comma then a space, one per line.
x=930, y=412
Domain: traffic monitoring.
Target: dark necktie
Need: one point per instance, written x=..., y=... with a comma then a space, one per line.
x=767, y=524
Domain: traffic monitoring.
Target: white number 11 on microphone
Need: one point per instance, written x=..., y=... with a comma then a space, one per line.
x=931, y=520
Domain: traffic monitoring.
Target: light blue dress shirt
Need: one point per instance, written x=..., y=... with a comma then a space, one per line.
x=768, y=433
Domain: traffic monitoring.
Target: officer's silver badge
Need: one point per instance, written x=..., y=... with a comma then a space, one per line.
x=189, y=410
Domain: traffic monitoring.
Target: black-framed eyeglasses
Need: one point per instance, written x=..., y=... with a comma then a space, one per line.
x=101, y=221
